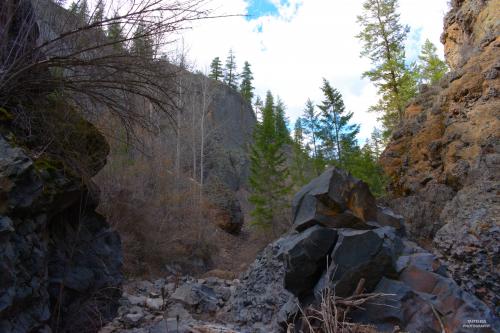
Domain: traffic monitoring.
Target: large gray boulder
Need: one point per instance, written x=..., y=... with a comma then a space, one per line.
x=359, y=254
x=334, y=199
x=306, y=256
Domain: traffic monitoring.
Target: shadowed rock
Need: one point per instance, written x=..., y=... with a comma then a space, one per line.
x=334, y=199
x=305, y=255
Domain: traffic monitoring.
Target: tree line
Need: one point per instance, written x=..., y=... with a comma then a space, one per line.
x=229, y=75
x=324, y=135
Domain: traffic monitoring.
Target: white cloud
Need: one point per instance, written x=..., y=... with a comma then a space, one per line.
x=297, y=49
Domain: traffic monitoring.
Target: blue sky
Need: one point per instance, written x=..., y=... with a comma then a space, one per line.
x=293, y=44
x=259, y=8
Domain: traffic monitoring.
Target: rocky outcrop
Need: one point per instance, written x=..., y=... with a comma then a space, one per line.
x=444, y=159
x=61, y=263
x=299, y=269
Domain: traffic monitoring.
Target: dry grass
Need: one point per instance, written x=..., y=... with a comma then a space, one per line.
x=332, y=315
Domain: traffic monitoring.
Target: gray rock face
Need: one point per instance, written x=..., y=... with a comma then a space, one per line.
x=261, y=303
x=470, y=240
x=55, y=253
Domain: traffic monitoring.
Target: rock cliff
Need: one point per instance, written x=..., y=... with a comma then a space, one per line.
x=444, y=160
x=60, y=263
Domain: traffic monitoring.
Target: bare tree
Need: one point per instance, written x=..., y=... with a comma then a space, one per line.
x=81, y=61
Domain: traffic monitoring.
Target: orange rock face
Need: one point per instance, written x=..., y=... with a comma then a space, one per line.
x=444, y=159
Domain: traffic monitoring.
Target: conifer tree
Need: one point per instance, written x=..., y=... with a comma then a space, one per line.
x=300, y=164
x=431, y=69
x=363, y=164
x=257, y=107
x=281, y=122
x=98, y=14
x=246, y=88
x=311, y=127
x=268, y=171
x=81, y=9
x=383, y=39
x=216, y=69
x=336, y=133
x=230, y=75
x=115, y=34
x=142, y=43
x=377, y=143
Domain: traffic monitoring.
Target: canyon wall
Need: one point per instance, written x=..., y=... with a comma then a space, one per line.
x=444, y=160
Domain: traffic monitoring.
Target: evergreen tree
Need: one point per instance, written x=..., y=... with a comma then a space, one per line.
x=73, y=8
x=216, y=69
x=142, y=42
x=311, y=125
x=98, y=15
x=336, y=132
x=383, y=43
x=363, y=164
x=377, y=143
x=81, y=9
x=257, y=107
x=246, y=88
x=431, y=69
x=230, y=75
x=115, y=34
x=268, y=171
x=300, y=164
x=281, y=121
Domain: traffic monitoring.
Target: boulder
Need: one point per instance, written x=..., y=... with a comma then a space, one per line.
x=386, y=217
x=358, y=254
x=422, y=301
x=198, y=297
x=305, y=256
x=334, y=199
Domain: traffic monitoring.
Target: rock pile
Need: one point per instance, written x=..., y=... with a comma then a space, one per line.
x=174, y=304
x=340, y=237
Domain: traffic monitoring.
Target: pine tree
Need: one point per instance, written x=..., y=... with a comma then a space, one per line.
x=311, y=127
x=301, y=162
x=377, y=143
x=281, y=122
x=98, y=15
x=216, y=69
x=115, y=34
x=80, y=8
x=268, y=171
x=230, y=75
x=257, y=107
x=142, y=42
x=383, y=43
x=246, y=88
x=363, y=164
x=336, y=133
x=431, y=69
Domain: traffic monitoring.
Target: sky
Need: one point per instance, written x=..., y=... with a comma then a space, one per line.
x=293, y=44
